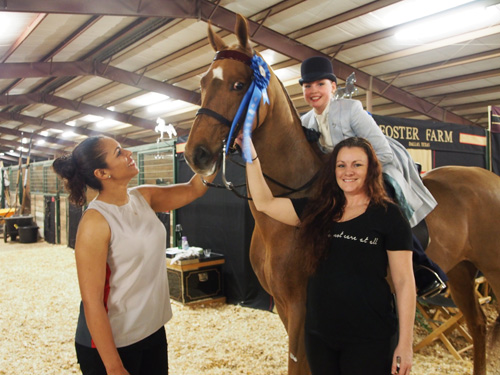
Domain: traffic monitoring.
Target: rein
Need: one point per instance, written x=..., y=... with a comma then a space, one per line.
x=250, y=102
x=231, y=187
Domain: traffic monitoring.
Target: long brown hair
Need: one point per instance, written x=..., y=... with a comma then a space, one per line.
x=328, y=201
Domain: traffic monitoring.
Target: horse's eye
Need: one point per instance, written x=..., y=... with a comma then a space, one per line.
x=238, y=86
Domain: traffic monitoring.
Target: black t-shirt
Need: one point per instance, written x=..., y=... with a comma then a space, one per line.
x=348, y=298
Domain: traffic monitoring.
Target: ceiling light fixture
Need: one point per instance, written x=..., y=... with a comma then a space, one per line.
x=148, y=99
x=455, y=23
x=68, y=134
x=410, y=10
x=106, y=123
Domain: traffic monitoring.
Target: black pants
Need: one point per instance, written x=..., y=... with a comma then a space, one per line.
x=330, y=358
x=146, y=357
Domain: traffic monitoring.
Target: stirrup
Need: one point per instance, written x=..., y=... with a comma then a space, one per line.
x=441, y=285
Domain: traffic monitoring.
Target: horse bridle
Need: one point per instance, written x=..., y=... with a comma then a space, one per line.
x=245, y=59
x=222, y=55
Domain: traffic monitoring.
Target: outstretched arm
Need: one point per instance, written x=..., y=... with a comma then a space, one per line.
x=280, y=209
x=166, y=198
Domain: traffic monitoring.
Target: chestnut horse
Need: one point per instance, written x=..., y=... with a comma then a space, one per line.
x=463, y=236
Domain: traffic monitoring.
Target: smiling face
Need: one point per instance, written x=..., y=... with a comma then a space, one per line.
x=318, y=93
x=351, y=170
x=120, y=164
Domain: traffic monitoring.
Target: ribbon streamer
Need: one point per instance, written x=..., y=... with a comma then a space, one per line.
x=251, y=101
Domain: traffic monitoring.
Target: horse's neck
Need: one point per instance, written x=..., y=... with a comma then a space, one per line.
x=283, y=149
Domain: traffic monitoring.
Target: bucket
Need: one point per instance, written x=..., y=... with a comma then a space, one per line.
x=13, y=223
x=28, y=234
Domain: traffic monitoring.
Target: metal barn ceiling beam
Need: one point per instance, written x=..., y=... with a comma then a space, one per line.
x=142, y=8
x=37, y=137
x=78, y=106
x=35, y=148
x=13, y=116
x=9, y=158
x=225, y=19
x=87, y=68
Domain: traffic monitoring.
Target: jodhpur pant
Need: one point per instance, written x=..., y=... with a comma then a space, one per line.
x=146, y=357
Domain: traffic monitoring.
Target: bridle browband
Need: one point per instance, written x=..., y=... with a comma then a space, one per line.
x=233, y=55
x=247, y=60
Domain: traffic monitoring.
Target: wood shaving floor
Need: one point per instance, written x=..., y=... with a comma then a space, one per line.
x=39, y=301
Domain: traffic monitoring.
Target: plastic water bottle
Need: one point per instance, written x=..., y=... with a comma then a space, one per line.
x=185, y=244
x=178, y=236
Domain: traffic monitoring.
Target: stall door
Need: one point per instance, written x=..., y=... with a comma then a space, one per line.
x=49, y=229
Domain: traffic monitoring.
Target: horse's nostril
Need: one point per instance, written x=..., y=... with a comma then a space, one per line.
x=202, y=156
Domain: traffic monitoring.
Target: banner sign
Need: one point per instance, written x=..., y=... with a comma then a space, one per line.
x=495, y=119
x=431, y=135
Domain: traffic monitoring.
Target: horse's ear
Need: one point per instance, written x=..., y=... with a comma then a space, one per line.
x=215, y=40
x=241, y=31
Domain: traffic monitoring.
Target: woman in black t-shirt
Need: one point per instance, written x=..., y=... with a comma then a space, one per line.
x=351, y=232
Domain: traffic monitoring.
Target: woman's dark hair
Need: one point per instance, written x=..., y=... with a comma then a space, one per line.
x=328, y=201
x=77, y=169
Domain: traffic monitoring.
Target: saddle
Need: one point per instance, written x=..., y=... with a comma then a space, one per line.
x=422, y=233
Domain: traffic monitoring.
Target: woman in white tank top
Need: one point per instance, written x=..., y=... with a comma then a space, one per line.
x=120, y=259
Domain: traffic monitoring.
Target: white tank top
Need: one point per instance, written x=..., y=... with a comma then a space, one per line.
x=139, y=301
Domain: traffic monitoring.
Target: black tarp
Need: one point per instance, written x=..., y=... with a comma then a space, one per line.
x=164, y=217
x=495, y=152
x=223, y=222
x=495, y=138
x=74, y=216
x=451, y=144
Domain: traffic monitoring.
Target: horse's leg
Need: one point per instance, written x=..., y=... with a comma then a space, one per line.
x=297, y=360
x=462, y=278
x=282, y=312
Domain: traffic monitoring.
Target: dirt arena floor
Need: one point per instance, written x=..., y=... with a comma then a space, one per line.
x=39, y=301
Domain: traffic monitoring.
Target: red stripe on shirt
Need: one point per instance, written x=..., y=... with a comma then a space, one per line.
x=106, y=293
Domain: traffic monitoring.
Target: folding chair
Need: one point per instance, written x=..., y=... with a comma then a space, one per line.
x=483, y=290
x=444, y=317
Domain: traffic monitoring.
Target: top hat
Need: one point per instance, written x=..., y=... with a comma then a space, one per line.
x=316, y=68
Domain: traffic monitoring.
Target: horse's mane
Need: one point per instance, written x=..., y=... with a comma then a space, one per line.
x=295, y=113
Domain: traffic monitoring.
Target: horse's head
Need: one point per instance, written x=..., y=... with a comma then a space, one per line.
x=223, y=87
